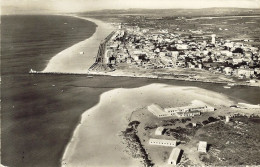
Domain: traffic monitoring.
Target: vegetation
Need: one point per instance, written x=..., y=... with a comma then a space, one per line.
x=234, y=143
x=179, y=133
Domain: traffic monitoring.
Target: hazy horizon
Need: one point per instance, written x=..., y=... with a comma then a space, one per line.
x=65, y=6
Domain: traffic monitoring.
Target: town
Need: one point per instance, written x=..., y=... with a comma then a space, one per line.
x=144, y=48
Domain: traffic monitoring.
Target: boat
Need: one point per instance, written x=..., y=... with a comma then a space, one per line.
x=32, y=71
x=227, y=87
x=90, y=76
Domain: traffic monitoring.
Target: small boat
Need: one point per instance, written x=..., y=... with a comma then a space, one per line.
x=32, y=71
x=227, y=87
x=90, y=76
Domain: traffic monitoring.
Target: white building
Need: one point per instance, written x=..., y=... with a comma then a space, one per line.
x=228, y=70
x=188, y=108
x=163, y=142
x=187, y=113
x=159, y=131
x=174, y=156
x=182, y=46
x=202, y=146
x=157, y=111
x=213, y=38
x=227, y=118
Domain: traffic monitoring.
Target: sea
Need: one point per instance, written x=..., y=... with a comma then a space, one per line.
x=39, y=112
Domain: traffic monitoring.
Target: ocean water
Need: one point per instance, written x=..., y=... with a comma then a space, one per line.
x=40, y=112
x=30, y=41
x=28, y=110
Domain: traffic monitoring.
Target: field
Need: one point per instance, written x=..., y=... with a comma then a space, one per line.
x=226, y=23
x=234, y=143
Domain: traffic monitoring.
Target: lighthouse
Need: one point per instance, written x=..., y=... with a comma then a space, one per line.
x=213, y=38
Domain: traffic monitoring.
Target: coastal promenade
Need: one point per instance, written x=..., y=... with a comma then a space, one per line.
x=99, y=64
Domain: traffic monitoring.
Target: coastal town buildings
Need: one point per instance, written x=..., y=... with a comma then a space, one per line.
x=163, y=142
x=202, y=146
x=157, y=110
x=159, y=131
x=159, y=49
x=227, y=118
x=186, y=111
x=189, y=108
x=174, y=156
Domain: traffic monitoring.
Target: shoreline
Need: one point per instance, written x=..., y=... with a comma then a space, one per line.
x=69, y=61
x=104, y=138
x=74, y=137
x=64, y=58
x=130, y=75
x=80, y=56
x=70, y=157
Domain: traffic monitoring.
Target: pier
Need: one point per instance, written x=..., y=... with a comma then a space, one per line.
x=99, y=64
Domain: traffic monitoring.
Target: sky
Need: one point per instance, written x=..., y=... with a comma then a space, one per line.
x=89, y=5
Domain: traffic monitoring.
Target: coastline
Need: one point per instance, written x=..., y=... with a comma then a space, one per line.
x=151, y=76
x=73, y=139
x=70, y=61
x=133, y=75
x=114, y=109
x=92, y=125
x=80, y=56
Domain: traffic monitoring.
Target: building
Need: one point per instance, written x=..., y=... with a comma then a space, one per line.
x=128, y=60
x=157, y=111
x=182, y=46
x=202, y=146
x=189, y=108
x=163, y=142
x=213, y=38
x=228, y=70
x=245, y=72
x=187, y=113
x=174, y=156
x=227, y=119
x=159, y=131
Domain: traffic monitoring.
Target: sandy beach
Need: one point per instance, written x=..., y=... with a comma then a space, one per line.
x=71, y=61
x=97, y=141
